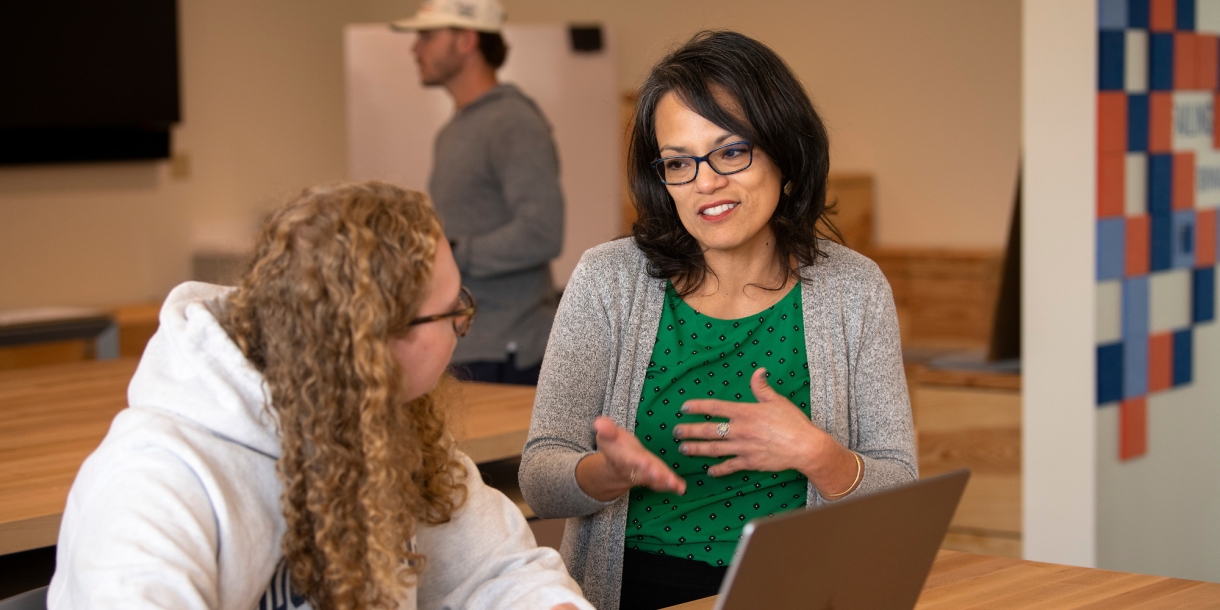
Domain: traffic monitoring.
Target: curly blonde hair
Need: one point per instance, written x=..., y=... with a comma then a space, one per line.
x=338, y=273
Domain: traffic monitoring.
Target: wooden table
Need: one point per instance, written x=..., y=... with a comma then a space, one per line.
x=53, y=417
x=965, y=580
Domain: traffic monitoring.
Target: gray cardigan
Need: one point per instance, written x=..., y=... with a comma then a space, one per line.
x=597, y=359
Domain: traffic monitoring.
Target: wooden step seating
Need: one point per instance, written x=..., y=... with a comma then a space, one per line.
x=972, y=419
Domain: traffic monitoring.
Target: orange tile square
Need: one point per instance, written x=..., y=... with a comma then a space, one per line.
x=1183, y=180
x=1133, y=428
x=1111, y=184
x=1112, y=122
x=1205, y=238
x=1184, y=61
x=1137, y=254
x=1160, y=122
x=1161, y=15
x=1207, y=61
x=1160, y=362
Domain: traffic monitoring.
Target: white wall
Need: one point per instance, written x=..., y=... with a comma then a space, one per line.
x=1157, y=513
x=1160, y=513
x=262, y=102
x=922, y=94
x=1058, y=418
x=392, y=120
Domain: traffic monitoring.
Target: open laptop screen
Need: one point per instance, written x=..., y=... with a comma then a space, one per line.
x=870, y=552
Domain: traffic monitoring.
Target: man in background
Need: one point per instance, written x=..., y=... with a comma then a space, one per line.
x=495, y=184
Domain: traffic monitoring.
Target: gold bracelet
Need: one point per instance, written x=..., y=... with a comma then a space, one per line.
x=854, y=484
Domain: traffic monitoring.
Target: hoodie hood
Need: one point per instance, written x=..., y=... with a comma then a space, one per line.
x=193, y=371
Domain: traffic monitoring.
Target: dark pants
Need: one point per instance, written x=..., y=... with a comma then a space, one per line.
x=505, y=371
x=652, y=581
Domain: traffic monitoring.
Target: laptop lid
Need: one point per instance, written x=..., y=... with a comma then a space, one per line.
x=869, y=552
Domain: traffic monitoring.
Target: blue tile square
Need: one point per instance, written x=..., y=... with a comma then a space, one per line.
x=1137, y=14
x=1160, y=184
x=1161, y=242
x=1186, y=14
x=1111, y=248
x=1183, y=239
x=1112, y=14
x=1203, y=295
x=1109, y=373
x=1183, y=356
x=1135, y=308
x=1160, y=62
x=1111, y=59
x=1135, y=367
x=1137, y=122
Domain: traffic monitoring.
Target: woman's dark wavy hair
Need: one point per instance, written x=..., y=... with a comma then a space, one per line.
x=779, y=119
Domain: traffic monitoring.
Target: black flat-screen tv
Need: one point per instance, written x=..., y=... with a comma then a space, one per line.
x=82, y=80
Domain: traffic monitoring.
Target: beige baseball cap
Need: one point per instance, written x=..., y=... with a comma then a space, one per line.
x=478, y=15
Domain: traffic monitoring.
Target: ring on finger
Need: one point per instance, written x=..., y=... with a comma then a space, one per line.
x=722, y=429
x=633, y=477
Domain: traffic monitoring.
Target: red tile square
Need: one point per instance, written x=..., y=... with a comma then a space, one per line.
x=1112, y=122
x=1205, y=238
x=1111, y=184
x=1207, y=61
x=1160, y=362
x=1160, y=122
x=1184, y=61
x=1161, y=15
x=1137, y=254
x=1133, y=428
x=1183, y=180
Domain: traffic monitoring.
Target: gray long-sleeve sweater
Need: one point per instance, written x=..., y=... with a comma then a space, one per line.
x=597, y=359
x=495, y=184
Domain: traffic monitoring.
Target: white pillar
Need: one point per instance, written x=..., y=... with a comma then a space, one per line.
x=1059, y=140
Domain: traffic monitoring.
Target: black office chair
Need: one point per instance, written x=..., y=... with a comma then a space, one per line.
x=30, y=600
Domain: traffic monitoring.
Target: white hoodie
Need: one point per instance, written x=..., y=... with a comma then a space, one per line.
x=179, y=506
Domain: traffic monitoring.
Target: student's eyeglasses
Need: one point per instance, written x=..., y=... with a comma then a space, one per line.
x=463, y=316
x=724, y=160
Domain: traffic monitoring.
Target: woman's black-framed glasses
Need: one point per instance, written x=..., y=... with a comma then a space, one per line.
x=724, y=160
x=463, y=316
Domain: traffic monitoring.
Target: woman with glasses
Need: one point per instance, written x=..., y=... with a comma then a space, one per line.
x=286, y=447
x=725, y=362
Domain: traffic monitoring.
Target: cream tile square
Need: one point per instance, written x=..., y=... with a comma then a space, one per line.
x=1136, y=59
x=1169, y=300
x=1207, y=16
x=1135, y=193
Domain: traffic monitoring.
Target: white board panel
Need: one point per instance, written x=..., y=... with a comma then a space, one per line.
x=392, y=120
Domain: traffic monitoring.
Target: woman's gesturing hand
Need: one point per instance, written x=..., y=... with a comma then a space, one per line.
x=769, y=436
x=621, y=463
x=626, y=456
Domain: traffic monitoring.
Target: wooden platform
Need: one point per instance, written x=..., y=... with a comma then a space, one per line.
x=137, y=323
x=972, y=419
x=944, y=298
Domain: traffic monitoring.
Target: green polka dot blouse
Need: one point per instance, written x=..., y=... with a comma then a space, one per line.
x=697, y=356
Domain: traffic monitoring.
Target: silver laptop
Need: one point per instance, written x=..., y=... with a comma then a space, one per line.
x=872, y=552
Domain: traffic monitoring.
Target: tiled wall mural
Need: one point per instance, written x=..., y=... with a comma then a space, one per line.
x=1158, y=190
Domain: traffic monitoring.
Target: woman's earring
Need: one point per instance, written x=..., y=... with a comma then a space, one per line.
x=788, y=188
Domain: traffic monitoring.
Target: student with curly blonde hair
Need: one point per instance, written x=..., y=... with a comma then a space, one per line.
x=285, y=444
